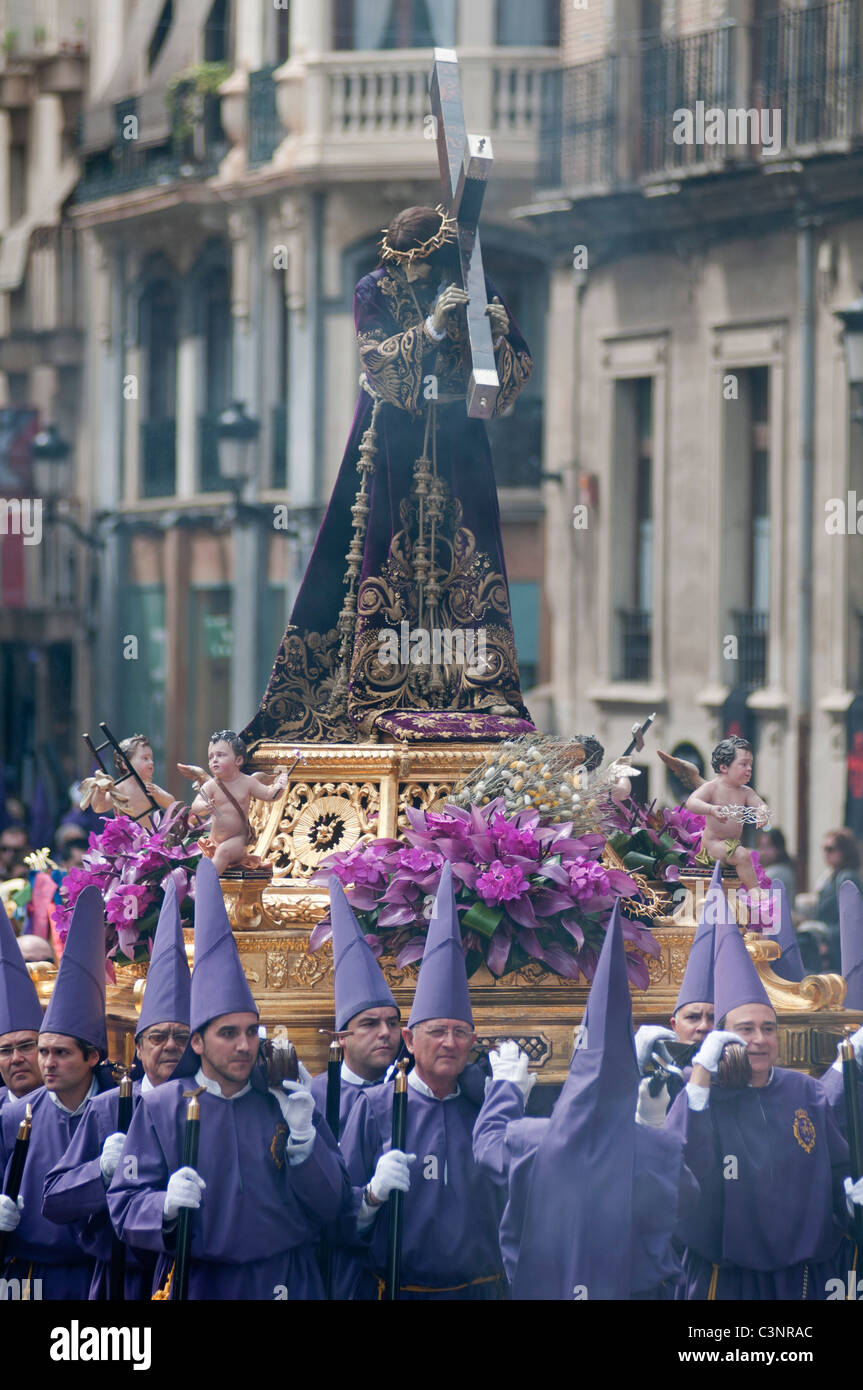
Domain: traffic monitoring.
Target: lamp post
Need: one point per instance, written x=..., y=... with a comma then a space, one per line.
x=238, y=433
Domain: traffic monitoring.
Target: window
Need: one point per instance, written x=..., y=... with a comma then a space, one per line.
x=632, y=528
x=378, y=24
x=142, y=682
x=211, y=646
x=216, y=303
x=532, y=25
x=747, y=501
x=160, y=33
x=158, y=427
x=216, y=45
x=524, y=599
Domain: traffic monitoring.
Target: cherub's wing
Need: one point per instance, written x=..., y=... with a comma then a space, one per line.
x=684, y=771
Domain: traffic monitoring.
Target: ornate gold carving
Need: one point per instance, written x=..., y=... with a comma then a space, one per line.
x=311, y=970
x=251, y=975
x=317, y=819
x=277, y=969
x=428, y=796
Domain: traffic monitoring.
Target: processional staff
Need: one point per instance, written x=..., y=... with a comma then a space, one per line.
x=397, y=1199
x=16, y=1169
x=117, y=1273
x=180, y=1283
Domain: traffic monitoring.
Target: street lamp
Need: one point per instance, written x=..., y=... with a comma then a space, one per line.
x=50, y=453
x=237, y=433
x=852, y=338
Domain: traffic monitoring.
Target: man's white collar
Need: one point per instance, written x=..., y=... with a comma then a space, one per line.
x=215, y=1089
x=424, y=1090
x=66, y=1111
x=352, y=1078
x=146, y=1085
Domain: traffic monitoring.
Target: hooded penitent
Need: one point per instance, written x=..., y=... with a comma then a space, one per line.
x=77, y=1004
x=442, y=989
x=359, y=983
x=218, y=983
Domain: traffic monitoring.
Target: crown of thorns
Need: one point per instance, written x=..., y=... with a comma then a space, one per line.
x=446, y=232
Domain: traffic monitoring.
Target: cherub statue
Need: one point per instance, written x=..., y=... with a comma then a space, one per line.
x=226, y=796
x=102, y=794
x=727, y=803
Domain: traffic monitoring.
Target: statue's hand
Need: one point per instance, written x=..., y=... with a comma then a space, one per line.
x=448, y=302
x=194, y=774
x=499, y=318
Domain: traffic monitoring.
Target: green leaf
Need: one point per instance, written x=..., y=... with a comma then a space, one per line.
x=482, y=918
x=639, y=861
x=618, y=840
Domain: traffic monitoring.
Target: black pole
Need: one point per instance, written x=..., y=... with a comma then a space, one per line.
x=397, y=1199
x=16, y=1169
x=334, y=1103
x=180, y=1284
x=117, y=1271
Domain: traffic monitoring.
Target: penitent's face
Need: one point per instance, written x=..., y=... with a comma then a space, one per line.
x=756, y=1025
x=19, y=1066
x=693, y=1022
x=371, y=1041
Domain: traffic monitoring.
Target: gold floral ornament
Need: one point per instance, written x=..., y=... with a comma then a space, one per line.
x=329, y=823
x=447, y=231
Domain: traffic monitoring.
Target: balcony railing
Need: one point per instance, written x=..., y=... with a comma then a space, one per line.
x=751, y=627
x=127, y=167
x=635, y=627
x=158, y=463
x=612, y=121
x=265, y=130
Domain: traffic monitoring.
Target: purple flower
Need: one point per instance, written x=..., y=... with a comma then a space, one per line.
x=510, y=840
x=420, y=861
x=587, y=879
x=500, y=884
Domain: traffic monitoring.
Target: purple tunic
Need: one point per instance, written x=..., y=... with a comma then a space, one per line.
x=38, y=1248
x=505, y=1144
x=350, y=1094
x=75, y=1194
x=451, y=1213
x=260, y=1217
x=770, y=1161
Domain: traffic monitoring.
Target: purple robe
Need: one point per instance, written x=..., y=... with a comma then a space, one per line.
x=350, y=1094
x=505, y=1144
x=450, y=1245
x=773, y=1231
x=38, y=1248
x=75, y=1194
x=254, y=1234
x=398, y=359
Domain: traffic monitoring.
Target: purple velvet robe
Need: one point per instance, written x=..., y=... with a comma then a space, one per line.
x=38, y=1248
x=774, y=1230
x=505, y=1144
x=254, y=1234
x=398, y=359
x=75, y=1194
x=452, y=1211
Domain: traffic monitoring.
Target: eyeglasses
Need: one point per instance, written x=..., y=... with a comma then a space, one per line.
x=25, y=1048
x=830, y=849
x=461, y=1035
x=159, y=1036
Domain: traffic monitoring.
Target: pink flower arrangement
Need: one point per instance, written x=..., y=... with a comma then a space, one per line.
x=525, y=891
x=129, y=865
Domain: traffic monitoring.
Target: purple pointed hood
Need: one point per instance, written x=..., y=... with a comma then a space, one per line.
x=19, y=1003
x=77, y=1005
x=442, y=990
x=359, y=982
x=735, y=979
x=697, y=984
x=167, y=995
x=579, y=1204
x=851, y=942
x=790, y=965
x=219, y=985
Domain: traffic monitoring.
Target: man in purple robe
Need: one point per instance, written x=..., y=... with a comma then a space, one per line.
x=20, y=1020
x=592, y=1192
x=268, y=1175
x=76, y=1187
x=768, y=1156
x=71, y=1041
x=452, y=1208
x=368, y=1021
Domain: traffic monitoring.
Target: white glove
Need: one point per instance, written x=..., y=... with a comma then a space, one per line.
x=510, y=1064
x=856, y=1041
x=392, y=1174
x=184, y=1190
x=646, y=1039
x=111, y=1151
x=298, y=1112
x=10, y=1213
x=711, y=1049
x=650, y=1110
x=304, y=1075
x=853, y=1194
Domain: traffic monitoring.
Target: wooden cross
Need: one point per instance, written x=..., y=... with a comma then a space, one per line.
x=465, y=165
